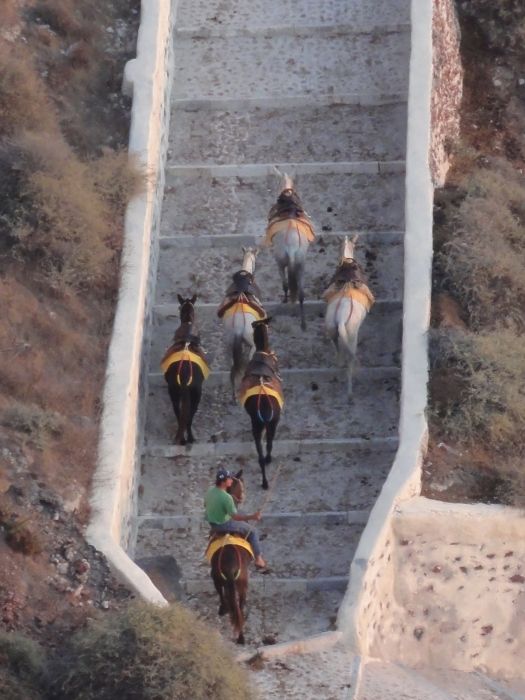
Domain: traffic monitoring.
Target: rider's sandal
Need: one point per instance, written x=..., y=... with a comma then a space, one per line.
x=263, y=569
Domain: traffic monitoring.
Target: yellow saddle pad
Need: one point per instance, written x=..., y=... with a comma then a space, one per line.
x=262, y=389
x=245, y=308
x=220, y=542
x=361, y=294
x=187, y=355
x=303, y=226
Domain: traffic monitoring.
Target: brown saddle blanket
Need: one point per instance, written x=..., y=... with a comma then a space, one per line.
x=287, y=206
x=263, y=364
x=180, y=344
x=349, y=271
x=242, y=289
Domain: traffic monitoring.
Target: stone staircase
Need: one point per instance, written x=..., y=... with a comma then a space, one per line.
x=317, y=88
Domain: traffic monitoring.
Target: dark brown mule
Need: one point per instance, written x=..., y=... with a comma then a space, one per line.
x=185, y=369
x=229, y=571
x=261, y=394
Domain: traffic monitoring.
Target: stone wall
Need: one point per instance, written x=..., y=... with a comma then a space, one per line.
x=458, y=598
x=447, y=87
x=148, y=79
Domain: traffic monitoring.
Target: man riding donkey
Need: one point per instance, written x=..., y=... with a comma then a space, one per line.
x=223, y=517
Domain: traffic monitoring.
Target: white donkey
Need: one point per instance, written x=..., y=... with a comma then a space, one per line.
x=348, y=301
x=289, y=233
x=238, y=310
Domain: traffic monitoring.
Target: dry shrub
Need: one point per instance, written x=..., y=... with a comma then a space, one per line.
x=66, y=213
x=485, y=399
x=24, y=103
x=64, y=18
x=483, y=263
x=21, y=668
x=20, y=536
x=148, y=652
x=39, y=424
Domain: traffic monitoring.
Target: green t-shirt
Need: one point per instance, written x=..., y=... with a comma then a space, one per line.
x=219, y=506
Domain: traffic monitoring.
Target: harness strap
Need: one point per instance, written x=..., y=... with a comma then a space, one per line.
x=239, y=563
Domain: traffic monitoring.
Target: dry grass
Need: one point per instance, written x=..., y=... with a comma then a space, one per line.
x=24, y=102
x=63, y=212
x=148, y=652
x=482, y=264
x=21, y=668
x=40, y=425
x=486, y=403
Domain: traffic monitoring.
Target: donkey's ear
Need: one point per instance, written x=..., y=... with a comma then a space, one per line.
x=243, y=249
x=193, y=299
x=181, y=300
x=239, y=474
x=355, y=238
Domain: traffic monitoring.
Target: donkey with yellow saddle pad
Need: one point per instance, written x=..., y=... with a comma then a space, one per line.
x=261, y=394
x=289, y=233
x=233, y=543
x=348, y=301
x=185, y=368
x=238, y=310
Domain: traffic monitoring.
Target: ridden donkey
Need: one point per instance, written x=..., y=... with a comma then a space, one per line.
x=185, y=368
x=261, y=394
x=229, y=557
x=290, y=232
x=238, y=310
x=348, y=301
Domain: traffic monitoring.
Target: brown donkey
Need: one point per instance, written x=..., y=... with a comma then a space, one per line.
x=261, y=394
x=229, y=568
x=185, y=368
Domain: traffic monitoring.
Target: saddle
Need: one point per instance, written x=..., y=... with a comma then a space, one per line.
x=263, y=364
x=185, y=349
x=349, y=280
x=262, y=378
x=242, y=290
x=218, y=540
x=289, y=211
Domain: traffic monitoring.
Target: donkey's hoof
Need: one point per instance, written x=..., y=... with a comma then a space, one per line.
x=268, y=459
x=191, y=438
x=222, y=610
x=180, y=441
x=240, y=639
x=265, y=485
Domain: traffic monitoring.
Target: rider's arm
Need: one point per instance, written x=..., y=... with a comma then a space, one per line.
x=245, y=518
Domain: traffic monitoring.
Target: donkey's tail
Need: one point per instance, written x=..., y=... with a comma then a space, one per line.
x=234, y=607
x=293, y=285
x=237, y=354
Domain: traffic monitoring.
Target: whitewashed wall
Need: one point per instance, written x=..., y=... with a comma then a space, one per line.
x=147, y=80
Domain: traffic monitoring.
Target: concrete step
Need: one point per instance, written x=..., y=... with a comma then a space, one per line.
x=309, y=62
x=294, y=550
x=238, y=14
x=349, y=480
x=320, y=410
x=379, y=338
x=197, y=201
x=277, y=613
x=336, y=132
x=283, y=448
x=209, y=271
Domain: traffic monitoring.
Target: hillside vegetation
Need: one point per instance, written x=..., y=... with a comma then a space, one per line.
x=66, y=179
x=477, y=396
